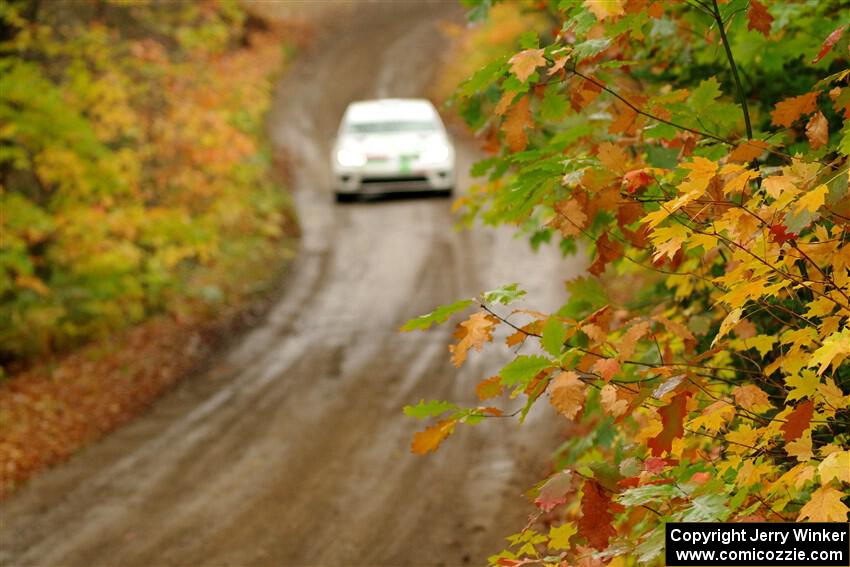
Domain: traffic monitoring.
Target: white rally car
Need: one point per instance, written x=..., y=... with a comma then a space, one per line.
x=391, y=145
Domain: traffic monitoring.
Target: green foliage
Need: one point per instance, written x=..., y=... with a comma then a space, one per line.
x=704, y=357
x=133, y=173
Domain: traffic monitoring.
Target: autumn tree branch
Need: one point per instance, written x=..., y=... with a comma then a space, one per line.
x=741, y=96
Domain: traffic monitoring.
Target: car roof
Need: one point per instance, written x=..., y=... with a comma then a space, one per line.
x=390, y=109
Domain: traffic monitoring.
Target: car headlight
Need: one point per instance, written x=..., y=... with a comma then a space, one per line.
x=348, y=157
x=437, y=153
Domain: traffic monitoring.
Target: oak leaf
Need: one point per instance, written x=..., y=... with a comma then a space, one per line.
x=758, y=18
x=672, y=418
x=489, y=388
x=430, y=439
x=607, y=251
x=817, y=130
x=606, y=367
x=597, y=522
x=612, y=405
x=524, y=63
x=567, y=393
x=473, y=333
x=554, y=491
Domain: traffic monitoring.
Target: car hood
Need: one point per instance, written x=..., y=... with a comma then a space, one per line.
x=391, y=144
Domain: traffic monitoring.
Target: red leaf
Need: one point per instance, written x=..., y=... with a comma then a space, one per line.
x=672, y=417
x=830, y=41
x=759, y=18
x=798, y=421
x=606, y=251
x=554, y=491
x=597, y=521
x=654, y=465
x=637, y=179
x=780, y=233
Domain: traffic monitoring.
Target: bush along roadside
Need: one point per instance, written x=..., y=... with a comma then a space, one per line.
x=699, y=152
x=139, y=202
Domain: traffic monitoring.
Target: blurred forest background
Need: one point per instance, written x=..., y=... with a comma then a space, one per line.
x=136, y=186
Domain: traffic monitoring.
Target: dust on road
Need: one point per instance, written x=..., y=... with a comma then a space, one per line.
x=292, y=449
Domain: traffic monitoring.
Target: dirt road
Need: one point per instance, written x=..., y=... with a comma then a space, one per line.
x=292, y=449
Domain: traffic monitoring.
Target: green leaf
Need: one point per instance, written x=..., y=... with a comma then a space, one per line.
x=439, y=315
x=524, y=368
x=504, y=295
x=431, y=408
x=648, y=494
x=707, y=508
x=591, y=47
x=554, y=335
x=554, y=105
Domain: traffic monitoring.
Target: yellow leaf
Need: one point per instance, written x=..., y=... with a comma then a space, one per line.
x=824, y=506
x=833, y=395
x=728, y=324
x=559, y=536
x=812, y=200
x=762, y=343
x=714, y=417
x=525, y=62
x=796, y=477
x=430, y=439
x=835, y=466
x=739, y=182
x=834, y=350
x=780, y=184
x=603, y=9
x=801, y=448
x=802, y=385
x=567, y=393
x=668, y=239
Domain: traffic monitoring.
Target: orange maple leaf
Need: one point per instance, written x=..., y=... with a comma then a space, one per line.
x=787, y=111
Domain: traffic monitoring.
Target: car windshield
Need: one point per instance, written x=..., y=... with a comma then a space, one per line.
x=391, y=127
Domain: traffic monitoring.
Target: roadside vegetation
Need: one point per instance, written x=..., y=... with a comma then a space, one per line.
x=698, y=151
x=139, y=203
